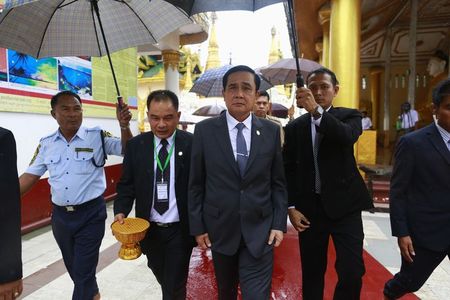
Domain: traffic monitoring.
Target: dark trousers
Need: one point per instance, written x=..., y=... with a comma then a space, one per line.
x=253, y=274
x=347, y=234
x=79, y=234
x=413, y=275
x=168, y=255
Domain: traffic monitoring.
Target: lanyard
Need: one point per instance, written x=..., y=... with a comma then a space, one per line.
x=168, y=156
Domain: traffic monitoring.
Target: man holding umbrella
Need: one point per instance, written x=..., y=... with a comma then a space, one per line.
x=326, y=192
x=74, y=156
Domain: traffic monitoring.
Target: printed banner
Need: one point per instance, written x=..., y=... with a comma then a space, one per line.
x=27, y=83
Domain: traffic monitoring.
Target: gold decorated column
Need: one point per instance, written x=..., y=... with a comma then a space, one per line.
x=345, y=31
x=171, y=58
x=324, y=20
x=374, y=85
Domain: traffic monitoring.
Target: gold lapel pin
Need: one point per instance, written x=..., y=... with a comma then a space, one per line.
x=180, y=153
x=257, y=132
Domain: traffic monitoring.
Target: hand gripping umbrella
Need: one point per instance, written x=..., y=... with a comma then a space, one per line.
x=52, y=28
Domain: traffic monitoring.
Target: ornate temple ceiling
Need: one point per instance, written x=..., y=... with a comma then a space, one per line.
x=433, y=28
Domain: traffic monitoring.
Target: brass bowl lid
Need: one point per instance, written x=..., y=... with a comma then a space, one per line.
x=130, y=226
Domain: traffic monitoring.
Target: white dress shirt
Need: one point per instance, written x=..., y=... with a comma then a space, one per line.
x=171, y=215
x=246, y=131
x=316, y=122
x=445, y=135
x=409, y=119
x=366, y=123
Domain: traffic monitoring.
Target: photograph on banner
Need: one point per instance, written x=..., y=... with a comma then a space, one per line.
x=27, y=70
x=3, y=65
x=27, y=83
x=75, y=74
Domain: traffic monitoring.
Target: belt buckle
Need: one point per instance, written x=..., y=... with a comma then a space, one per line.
x=164, y=225
x=69, y=208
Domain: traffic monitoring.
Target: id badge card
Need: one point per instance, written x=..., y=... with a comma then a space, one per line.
x=162, y=191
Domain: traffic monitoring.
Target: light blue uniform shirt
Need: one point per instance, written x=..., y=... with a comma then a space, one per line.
x=73, y=177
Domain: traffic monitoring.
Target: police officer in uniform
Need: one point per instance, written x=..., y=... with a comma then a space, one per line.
x=74, y=156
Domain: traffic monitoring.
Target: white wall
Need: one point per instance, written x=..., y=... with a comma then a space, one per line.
x=29, y=128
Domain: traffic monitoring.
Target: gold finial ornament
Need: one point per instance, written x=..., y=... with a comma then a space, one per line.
x=171, y=58
x=130, y=233
x=213, y=59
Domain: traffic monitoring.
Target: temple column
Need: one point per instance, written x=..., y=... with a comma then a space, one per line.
x=345, y=35
x=171, y=58
x=387, y=89
x=412, y=53
x=324, y=20
x=375, y=78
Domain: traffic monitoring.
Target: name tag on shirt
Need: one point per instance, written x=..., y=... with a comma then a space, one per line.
x=162, y=191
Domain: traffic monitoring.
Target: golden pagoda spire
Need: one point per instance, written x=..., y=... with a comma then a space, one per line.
x=274, y=55
x=188, y=78
x=213, y=60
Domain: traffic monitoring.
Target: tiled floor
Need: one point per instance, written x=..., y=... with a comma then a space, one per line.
x=45, y=276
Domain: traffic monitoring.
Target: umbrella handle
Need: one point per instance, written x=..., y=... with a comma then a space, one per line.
x=300, y=83
x=120, y=102
x=94, y=7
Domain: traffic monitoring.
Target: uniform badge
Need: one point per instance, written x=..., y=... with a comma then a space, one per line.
x=36, y=152
x=106, y=133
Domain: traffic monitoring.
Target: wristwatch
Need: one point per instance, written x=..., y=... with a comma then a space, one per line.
x=317, y=113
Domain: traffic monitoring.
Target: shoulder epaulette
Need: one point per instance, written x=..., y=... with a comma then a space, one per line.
x=96, y=128
x=48, y=136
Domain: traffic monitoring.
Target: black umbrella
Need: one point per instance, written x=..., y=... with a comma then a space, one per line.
x=279, y=110
x=209, y=84
x=192, y=7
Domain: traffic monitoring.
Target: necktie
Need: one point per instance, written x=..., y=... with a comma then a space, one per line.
x=241, y=149
x=162, y=205
x=316, y=164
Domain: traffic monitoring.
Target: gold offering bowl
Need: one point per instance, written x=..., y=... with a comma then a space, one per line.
x=130, y=233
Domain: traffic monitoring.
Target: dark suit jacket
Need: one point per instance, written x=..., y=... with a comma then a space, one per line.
x=226, y=206
x=137, y=178
x=343, y=190
x=420, y=189
x=10, y=245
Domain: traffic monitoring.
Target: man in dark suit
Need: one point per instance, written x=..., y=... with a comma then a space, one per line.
x=237, y=197
x=420, y=199
x=11, y=244
x=325, y=190
x=155, y=173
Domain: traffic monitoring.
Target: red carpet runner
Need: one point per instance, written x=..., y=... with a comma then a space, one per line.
x=286, y=283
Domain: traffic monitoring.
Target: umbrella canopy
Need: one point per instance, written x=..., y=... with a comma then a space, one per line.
x=209, y=84
x=192, y=7
x=285, y=70
x=279, y=110
x=209, y=110
x=50, y=28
